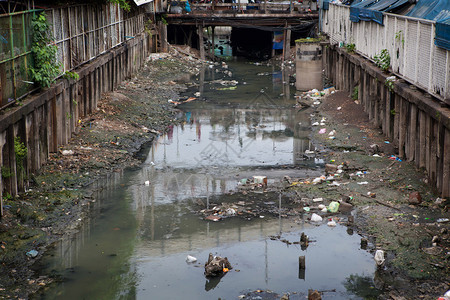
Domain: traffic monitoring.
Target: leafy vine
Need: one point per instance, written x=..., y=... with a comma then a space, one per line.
x=383, y=60
x=122, y=3
x=45, y=69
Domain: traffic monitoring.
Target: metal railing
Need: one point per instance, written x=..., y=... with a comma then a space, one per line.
x=409, y=41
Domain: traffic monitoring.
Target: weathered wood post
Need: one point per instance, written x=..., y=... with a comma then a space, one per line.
x=287, y=42
x=201, y=45
x=213, y=42
x=301, y=267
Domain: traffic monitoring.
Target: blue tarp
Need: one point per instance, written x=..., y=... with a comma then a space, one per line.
x=439, y=11
x=431, y=10
x=442, y=38
x=372, y=10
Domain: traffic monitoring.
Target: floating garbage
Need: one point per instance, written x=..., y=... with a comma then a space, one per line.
x=322, y=130
x=442, y=220
x=331, y=223
x=147, y=182
x=316, y=218
x=321, y=206
x=213, y=218
x=191, y=259
x=216, y=266
x=231, y=88
x=363, y=182
x=317, y=199
x=379, y=257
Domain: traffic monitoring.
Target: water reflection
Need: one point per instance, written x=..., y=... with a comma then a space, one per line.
x=136, y=244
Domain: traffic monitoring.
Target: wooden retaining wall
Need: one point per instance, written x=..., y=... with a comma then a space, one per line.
x=46, y=121
x=413, y=120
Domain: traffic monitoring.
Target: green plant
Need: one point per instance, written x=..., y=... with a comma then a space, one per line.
x=393, y=112
x=355, y=93
x=21, y=151
x=71, y=75
x=399, y=37
x=350, y=48
x=383, y=60
x=124, y=4
x=163, y=20
x=6, y=172
x=390, y=82
x=68, y=116
x=45, y=69
x=148, y=27
x=8, y=196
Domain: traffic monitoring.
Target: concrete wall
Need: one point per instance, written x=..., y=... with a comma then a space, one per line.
x=416, y=122
x=47, y=120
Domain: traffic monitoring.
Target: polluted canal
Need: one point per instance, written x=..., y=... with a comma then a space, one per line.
x=216, y=184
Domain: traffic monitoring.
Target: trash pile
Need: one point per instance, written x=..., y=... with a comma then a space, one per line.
x=313, y=97
x=247, y=210
x=253, y=183
x=217, y=266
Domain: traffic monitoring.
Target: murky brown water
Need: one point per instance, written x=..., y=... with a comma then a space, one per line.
x=136, y=243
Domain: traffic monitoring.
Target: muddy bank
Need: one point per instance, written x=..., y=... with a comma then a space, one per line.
x=107, y=141
x=393, y=205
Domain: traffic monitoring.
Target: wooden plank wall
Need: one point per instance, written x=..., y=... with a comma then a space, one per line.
x=46, y=121
x=413, y=120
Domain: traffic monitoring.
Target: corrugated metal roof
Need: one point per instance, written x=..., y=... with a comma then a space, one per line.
x=372, y=10
x=431, y=10
x=141, y=2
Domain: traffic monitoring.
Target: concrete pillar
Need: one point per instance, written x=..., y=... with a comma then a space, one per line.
x=308, y=63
